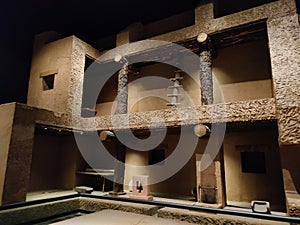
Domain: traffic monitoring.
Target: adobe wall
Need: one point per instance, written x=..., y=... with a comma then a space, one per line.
x=17, y=152
x=55, y=161
x=66, y=59
x=244, y=187
x=186, y=176
x=7, y=112
x=50, y=58
x=284, y=43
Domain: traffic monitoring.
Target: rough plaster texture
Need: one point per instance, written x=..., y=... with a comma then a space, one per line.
x=261, y=109
x=19, y=157
x=206, y=78
x=7, y=112
x=91, y=204
x=206, y=218
x=293, y=203
x=79, y=50
x=35, y=212
x=283, y=28
x=122, y=98
x=206, y=23
x=284, y=43
x=283, y=32
x=39, y=211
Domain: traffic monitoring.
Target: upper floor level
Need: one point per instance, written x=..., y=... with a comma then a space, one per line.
x=255, y=58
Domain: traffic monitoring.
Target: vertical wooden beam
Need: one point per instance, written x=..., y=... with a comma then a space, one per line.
x=122, y=108
x=122, y=98
x=206, y=69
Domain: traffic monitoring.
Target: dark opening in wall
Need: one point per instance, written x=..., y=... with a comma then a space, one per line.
x=99, y=85
x=298, y=6
x=253, y=162
x=88, y=61
x=48, y=82
x=156, y=156
x=87, y=107
x=226, y=7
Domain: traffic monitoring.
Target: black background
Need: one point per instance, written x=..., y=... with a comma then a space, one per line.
x=20, y=20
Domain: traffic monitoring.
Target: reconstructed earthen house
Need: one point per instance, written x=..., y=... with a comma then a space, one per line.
x=249, y=68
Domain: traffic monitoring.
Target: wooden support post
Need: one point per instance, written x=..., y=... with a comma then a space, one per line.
x=122, y=97
x=122, y=108
x=206, y=69
x=106, y=134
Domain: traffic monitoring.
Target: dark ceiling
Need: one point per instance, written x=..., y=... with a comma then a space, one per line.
x=89, y=19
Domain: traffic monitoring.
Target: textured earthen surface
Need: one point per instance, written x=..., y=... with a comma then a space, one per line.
x=197, y=217
x=263, y=109
x=284, y=43
x=79, y=50
x=122, y=98
x=206, y=23
x=19, y=157
x=36, y=212
x=7, y=112
x=31, y=213
x=90, y=204
x=293, y=204
x=253, y=110
x=206, y=78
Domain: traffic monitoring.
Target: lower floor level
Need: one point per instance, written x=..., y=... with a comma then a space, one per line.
x=249, y=165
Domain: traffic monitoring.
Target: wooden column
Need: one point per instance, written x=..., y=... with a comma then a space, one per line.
x=206, y=69
x=122, y=108
x=122, y=97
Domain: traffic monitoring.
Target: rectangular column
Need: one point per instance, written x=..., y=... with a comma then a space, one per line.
x=122, y=108
x=16, y=140
x=210, y=183
x=206, y=79
x=284, y=44
x=7, y=112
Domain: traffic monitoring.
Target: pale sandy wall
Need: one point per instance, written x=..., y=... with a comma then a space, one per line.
x=55, y=161
x=52, y=57
x=250, y=90
x=181, y=183
x=245, y=187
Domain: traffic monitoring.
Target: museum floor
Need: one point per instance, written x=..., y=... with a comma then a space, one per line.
x=111, y=217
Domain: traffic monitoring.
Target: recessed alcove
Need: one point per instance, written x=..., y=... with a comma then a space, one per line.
x=57, y=162
x=148, y=89
x=243, y=72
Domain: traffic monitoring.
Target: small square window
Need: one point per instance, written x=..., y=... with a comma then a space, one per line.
x=48, y=82
x=156, y=156
x=253, y=162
